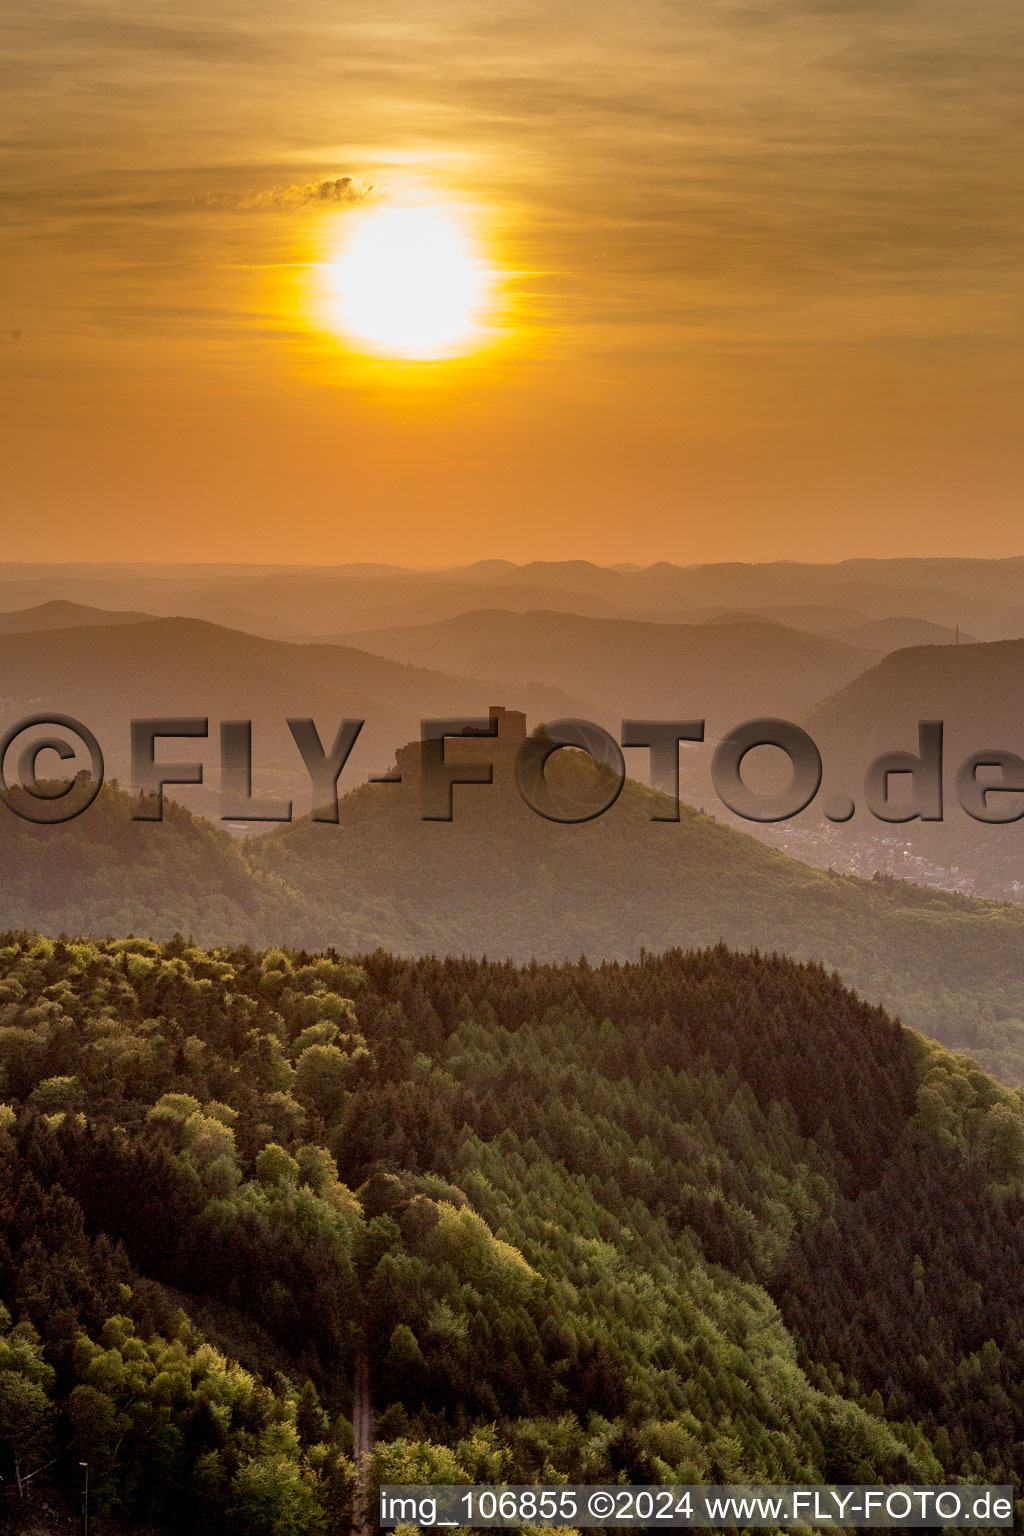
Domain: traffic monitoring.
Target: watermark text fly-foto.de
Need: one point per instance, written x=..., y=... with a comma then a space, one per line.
x=36, y=784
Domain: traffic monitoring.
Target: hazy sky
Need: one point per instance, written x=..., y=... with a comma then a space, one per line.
x=756, y=279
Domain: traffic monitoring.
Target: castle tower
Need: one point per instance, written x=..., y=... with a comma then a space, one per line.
x=501, y=749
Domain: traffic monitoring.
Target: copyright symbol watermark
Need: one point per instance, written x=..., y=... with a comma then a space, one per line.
x=601, y=1504
x=35, y=796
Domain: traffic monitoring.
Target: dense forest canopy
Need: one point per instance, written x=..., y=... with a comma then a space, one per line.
x=704, y=1216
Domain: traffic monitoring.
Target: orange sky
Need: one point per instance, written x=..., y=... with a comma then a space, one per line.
x=757, y=282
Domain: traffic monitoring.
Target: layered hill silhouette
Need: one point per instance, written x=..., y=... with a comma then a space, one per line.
x=985, y=597
x=500, y=880
x=746, y=666
x=896, y=634
x=62, y=615
x=701, y=1218
x=327, y=605
x=107, y=675
x=735, y=668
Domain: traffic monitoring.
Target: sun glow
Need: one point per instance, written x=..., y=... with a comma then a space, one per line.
x=409, y=283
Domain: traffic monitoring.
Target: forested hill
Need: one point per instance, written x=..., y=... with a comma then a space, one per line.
x=703, y=1218
x=502, y=881
x=105, y=873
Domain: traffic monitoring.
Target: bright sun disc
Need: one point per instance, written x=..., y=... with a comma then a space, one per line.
x=409, y=283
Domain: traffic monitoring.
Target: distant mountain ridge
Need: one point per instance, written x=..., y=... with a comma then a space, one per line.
x=107, y=675
x=731, y=670
x=553, y=664
x=986, y=597
x=897, y=634
x=58, y=614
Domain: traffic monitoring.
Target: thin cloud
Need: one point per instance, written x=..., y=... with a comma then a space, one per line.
x=329, y=189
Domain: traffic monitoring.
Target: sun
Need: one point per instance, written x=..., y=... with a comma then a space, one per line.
x=409, y=283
